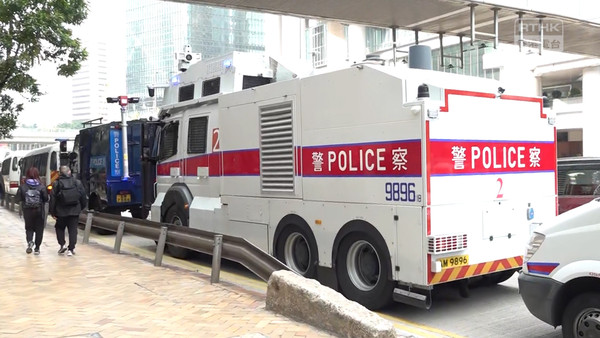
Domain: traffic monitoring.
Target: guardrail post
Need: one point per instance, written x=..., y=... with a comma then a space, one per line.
x=160, y=246
x=216, y=259
x=12, y=204
x=119, y=237
x=2, y=199
x=88, y=227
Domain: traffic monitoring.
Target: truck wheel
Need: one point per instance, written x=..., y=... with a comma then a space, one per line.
x=582, y=316
x=298, y=249
x=178, y=219
x=139, y=212
x=363, y=267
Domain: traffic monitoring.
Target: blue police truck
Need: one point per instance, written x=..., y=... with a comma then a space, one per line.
x=113, y=187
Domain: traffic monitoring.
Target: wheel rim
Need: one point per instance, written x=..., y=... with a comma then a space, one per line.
x=588, y=323
x=296, y=253
x=363, y=265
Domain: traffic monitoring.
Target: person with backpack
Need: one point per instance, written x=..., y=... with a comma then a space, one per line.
x=33, y=196
x=67, y=200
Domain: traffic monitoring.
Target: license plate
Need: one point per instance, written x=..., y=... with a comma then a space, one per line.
x=124, y=198
x=450, y=262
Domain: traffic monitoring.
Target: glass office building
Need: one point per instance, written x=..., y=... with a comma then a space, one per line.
x=156, y=30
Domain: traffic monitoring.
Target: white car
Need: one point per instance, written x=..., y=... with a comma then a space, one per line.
x=560, y=280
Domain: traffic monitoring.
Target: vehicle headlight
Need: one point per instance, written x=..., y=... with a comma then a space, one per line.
x=534, y=244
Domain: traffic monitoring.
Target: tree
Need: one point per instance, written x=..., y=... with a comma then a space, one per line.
x=32, y=32
x=70, y=125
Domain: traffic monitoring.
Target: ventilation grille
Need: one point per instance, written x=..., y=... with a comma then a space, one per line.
x=447, y=243
x=277, y=148
x=197, y=129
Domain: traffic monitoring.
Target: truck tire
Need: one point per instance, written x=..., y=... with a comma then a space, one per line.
x=297, y=249
x=139, y=212
x=174, y=216
x=363, y=266
x=582, y=316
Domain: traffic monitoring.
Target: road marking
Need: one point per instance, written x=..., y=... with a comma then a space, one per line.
x=418, y=329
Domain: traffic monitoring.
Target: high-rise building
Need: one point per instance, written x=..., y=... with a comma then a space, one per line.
x=156, y=30
x=101, y=75
x=88, y=86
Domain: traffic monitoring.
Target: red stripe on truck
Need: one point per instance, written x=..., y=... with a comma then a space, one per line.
x=459, y=157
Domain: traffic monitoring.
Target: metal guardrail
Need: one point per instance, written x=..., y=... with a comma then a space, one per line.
x=229, y=247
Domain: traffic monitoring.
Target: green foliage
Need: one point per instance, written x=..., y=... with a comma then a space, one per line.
x=575, y=92
x=32, y=32
x=70, y=125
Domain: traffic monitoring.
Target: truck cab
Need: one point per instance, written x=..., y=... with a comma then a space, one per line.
x=99, y=164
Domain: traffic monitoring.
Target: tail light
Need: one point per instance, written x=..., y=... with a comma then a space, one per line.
x=534, y=244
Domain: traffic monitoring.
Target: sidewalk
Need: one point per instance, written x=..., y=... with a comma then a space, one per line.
x=99, y=294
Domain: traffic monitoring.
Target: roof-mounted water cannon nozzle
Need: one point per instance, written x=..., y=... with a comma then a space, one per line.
x=185, y=59
x=422, y=92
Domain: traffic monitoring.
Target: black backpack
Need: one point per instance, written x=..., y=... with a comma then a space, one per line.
x=33, y=198
x=68, y=195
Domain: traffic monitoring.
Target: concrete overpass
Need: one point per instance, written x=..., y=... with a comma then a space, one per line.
x=482, y=19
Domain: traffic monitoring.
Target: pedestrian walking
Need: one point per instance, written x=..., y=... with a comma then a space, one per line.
x=33, y=196
x=67, y=199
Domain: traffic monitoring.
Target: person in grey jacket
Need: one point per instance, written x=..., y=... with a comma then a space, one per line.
x=67, y=200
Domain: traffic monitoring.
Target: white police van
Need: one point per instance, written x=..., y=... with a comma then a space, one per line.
x=560, y=280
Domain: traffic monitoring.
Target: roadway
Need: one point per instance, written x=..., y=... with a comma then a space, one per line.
x=490, y=311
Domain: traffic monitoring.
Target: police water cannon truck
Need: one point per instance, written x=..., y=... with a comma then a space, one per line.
x=381, y=182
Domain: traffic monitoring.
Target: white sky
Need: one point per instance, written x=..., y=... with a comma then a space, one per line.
x=55, y=106
x=106, y=19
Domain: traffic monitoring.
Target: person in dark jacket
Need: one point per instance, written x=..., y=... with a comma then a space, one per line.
x=65, y=209
x=33, y=208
